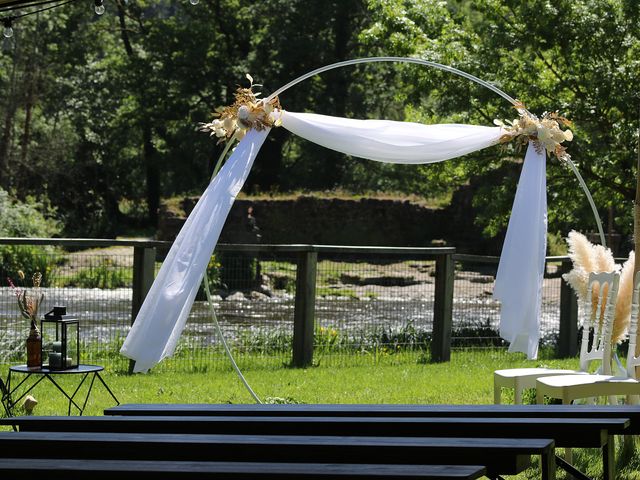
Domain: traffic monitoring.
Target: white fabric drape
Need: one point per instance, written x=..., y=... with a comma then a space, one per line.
x=159, y=323
x=162, y=317
x=520, y=273
x=389, y=141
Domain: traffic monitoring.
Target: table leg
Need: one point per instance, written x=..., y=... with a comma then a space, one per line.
x=4, y=398
x=108, y=389
x=12, y=403
x=71, y=401
x=86, y=398
x=7, y=390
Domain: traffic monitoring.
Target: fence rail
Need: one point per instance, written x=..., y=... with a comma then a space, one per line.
x=325, y=271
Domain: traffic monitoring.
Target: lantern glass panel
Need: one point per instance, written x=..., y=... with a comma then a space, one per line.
x=60, y=340
x=72, y=334
x=51, y=331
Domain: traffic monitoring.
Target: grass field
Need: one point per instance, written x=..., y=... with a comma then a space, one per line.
x=466, y=379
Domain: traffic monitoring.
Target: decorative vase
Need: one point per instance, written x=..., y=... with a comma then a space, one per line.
x=34, y=348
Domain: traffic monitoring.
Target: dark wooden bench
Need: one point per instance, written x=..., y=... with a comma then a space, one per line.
x=631, y=412
x=70, y=469
x=500, y=456
x=505, y=412
x=566, y=432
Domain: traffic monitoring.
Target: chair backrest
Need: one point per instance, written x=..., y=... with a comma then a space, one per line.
x=633, y=356
x=602, y=293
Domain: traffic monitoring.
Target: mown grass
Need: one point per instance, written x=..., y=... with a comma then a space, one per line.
x=398, y=378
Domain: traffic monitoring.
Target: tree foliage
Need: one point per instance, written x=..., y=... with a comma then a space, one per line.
x=100, y=113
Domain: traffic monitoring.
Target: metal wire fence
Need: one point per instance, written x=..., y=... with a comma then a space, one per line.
x=366, y=306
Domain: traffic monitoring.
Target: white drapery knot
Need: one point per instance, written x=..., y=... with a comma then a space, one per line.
x=545, y=132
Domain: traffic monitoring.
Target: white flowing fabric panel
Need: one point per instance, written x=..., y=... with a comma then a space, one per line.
x=520, y=273
x=389, y=141
x=163, y=314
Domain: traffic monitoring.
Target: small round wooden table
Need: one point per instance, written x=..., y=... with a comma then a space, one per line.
x=44, y=373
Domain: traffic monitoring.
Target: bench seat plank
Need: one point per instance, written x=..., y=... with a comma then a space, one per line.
x=168, y=470
x=632, y=412
x=567, y=432
x=500, y=456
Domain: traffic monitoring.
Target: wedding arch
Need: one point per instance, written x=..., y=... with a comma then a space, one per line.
x=518, y=286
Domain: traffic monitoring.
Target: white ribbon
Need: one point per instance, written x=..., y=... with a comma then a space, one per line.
x=163, y=314
x=521, y=271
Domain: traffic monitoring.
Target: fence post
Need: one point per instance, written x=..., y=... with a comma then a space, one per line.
x=568, y=337
x=303, y=318
x=443, y=309
x=144, y=259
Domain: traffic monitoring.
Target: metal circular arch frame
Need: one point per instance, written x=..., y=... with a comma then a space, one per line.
x=455, y=71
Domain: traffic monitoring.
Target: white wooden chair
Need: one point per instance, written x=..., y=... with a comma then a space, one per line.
x=591, y=386
x=520, y=378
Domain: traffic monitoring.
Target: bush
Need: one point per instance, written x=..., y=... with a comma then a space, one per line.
x=26, y=219
x=29, y=259
x=213, y=274
x=239, y=271
x=103, y=275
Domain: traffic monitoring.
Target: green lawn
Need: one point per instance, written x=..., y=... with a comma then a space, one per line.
x=397, y=378
x=466, y=379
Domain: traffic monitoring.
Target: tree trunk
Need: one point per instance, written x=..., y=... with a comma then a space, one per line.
x=636, y=220
x=7, y=130
x=153, y=175
x=149, y=160
x=636, y=210
x=30, y=83
x=26, y=134
x=5, y=142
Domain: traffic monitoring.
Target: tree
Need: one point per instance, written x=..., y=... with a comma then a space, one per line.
x=579, y=57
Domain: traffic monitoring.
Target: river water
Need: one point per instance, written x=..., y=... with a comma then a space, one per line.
x=105, y=314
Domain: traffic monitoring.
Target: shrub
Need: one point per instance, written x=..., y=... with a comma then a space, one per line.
x=26, y=219
x=213, y=274
x=103, y=275
x=29, y=259
x=239, y=271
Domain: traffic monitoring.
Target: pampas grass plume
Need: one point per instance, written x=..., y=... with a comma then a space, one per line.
x=623, y=306
x=581, y=254
x=588, y=258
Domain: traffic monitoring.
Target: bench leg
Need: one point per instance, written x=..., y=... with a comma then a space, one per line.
x=609, y=459
x=548, y=466
x=497, y=394
x=572, y=472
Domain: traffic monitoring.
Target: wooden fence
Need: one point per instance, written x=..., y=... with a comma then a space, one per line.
x=145, y=254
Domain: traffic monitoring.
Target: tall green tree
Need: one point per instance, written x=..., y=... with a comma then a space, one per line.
x=579, y=57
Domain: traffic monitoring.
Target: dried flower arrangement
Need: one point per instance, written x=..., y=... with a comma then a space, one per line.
x=587, y=258
x=247, y=112
x=545, y=132
x=28, y=300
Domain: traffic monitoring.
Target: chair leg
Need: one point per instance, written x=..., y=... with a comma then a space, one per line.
x=517, y=394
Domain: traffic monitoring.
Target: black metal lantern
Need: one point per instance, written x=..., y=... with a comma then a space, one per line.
x=60, y=340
